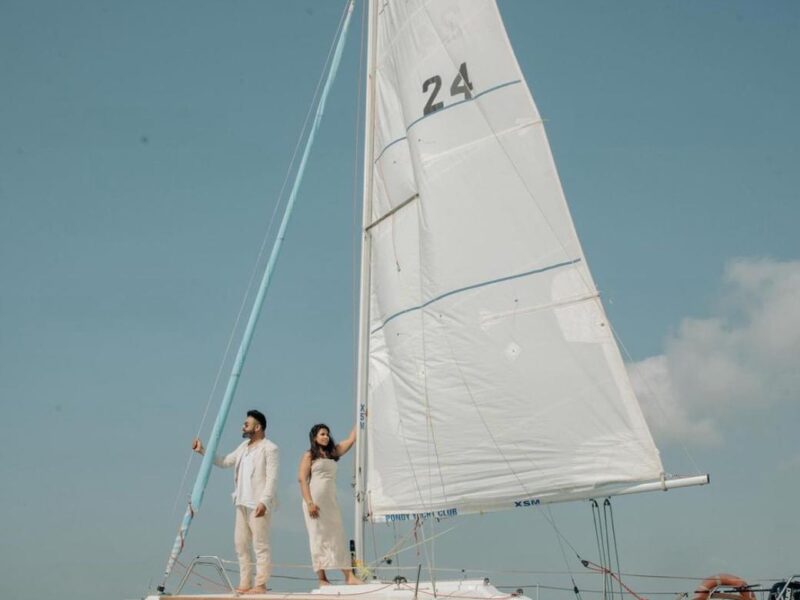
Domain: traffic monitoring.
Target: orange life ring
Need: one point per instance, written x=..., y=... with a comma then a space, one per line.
x=708, y=584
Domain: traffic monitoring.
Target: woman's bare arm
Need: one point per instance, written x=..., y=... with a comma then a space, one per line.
x=345, y=445
x=303, y=477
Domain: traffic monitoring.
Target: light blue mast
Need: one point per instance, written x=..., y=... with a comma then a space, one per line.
x=205, y=468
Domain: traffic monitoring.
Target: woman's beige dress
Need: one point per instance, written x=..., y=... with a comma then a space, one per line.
x=325, y=533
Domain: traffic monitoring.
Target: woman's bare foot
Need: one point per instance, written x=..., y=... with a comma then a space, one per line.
x=350, y=578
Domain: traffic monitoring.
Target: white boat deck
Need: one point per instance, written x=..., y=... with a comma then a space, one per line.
x=457, y=590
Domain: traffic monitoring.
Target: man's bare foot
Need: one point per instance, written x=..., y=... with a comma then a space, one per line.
x=242, y=589
x=353, y=580
x=259, y=589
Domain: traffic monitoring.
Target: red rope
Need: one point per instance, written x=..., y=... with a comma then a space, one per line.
x=598, y=569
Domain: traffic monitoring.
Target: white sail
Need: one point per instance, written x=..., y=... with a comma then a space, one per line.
x=494, y=380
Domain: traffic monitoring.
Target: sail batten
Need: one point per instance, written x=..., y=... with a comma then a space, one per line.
x=382, y=218
x=493, y=374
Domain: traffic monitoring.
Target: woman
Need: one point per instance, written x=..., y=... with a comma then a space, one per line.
x=317, y=478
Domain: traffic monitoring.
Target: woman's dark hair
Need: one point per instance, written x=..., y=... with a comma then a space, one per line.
x=318, y=451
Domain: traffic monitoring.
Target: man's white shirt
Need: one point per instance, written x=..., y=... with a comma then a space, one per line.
x=243, y=495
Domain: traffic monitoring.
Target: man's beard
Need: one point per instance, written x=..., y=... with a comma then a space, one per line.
x=246, y=434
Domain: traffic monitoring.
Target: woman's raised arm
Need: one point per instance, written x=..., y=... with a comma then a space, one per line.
x=345, y=445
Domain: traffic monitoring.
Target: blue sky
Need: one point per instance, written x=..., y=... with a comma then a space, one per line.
x=142, y=150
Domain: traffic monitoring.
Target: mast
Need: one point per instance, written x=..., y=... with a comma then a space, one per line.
x=222, y=415
x=363, y=321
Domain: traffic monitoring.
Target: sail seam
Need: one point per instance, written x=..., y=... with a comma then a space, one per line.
x=475, y=286
x=454, y=104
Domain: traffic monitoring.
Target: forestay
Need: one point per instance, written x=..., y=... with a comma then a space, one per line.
x=494, y=378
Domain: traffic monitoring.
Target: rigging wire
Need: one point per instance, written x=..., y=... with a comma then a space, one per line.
x=398, y=548
x=559, y=538
x=259, y=257
x=396, y=558
x=606, y=537
x=374, y=543
x=607, y=548
x=430, y=436
x=598, y=537
x=607, y=501
x=547, y=512
x=595, y=570
x=653, y=395
x=548, y=516
x=605, y=571
x=355, y=233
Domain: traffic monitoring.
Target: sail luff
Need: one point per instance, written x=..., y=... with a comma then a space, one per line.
x=364, y=299
x=203, y=474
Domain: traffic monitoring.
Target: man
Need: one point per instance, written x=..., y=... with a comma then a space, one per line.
x=255, y=464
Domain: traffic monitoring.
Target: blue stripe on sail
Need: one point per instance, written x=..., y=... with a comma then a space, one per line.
x=449, y=106
x=472, y=287
x=389, y=145
x=475, y=97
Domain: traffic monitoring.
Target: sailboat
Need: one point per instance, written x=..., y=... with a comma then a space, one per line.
x=488, y=374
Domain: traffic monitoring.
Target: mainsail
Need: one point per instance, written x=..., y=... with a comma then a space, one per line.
x=494, y=380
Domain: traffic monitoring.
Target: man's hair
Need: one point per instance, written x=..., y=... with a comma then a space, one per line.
x=258, y=416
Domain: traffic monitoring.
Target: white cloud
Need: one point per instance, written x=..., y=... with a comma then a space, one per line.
x=743, y=357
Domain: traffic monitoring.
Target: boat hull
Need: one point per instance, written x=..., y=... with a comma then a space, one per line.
x=466, y=590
